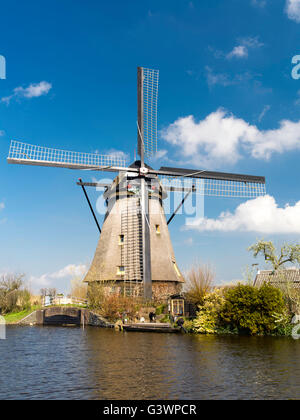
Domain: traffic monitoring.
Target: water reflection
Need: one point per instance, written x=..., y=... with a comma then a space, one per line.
x=53, y=362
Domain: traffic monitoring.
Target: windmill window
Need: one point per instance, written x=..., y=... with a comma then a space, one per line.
x=121, y=239
x=157, y=229
x=121, y=270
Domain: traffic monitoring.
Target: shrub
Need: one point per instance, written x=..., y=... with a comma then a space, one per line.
x=95, y=295
x=113, y=306
x=251, y=310
x=208, y=316
x=199, y=281
x=283, y=323
x=165, y=319
x=24, y=300
x=160, y=309
x=188, y=325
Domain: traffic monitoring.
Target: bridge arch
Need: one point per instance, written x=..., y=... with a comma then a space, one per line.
x=62, y=316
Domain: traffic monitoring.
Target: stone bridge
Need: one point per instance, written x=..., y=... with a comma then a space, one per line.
x=64, y=315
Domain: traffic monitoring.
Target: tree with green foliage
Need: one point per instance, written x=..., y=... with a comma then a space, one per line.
x=251, y=310
x=288, y=253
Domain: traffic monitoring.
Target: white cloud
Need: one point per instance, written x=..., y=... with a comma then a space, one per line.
x=221, y=138
x=58, y=278
x=32, y=91
x=261, y=215
x=292, y=9
x=240, y=52
x=160, y=154
x=69, y=270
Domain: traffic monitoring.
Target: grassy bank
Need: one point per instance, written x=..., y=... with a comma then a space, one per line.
x=15, y=317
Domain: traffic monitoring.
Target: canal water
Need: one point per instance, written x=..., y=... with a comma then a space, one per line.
x=95, y=363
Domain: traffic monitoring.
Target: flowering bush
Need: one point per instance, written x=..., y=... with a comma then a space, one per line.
x=208, y=316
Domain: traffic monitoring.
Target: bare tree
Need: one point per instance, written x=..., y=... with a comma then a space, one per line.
x=199, y=282
x=52, y=292
x=11, y=292
x=78, y=288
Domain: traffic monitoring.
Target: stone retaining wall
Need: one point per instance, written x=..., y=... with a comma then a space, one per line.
x=65, y=315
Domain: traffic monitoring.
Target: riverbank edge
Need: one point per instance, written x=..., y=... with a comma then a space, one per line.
x=87, y=317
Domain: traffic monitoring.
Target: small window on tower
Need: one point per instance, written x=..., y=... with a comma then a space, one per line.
x=121, y=270
x=121, y=239
x=157, y=229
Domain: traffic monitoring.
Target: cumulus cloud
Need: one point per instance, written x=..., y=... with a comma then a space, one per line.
x=292, y=9
x=58, y=278
x=221, y=138
x=32, y=91
x=261, y=215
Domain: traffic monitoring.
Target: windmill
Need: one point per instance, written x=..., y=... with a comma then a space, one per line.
x=134, y=252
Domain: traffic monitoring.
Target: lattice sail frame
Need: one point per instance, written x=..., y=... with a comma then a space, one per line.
x=215, y=187
x=38, y=155
x=148, y=97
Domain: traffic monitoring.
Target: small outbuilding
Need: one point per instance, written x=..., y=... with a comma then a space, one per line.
x=278, y=278
x=179, y=306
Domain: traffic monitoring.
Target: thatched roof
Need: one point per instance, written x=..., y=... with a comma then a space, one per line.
x=277, y=278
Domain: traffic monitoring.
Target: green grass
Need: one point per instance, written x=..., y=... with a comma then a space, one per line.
x=15, y=317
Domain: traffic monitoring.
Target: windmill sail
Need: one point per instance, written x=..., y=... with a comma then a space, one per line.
x=28, y=154
x=147, y=111
x=214, y=183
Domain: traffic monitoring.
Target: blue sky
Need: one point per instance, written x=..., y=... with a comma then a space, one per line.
x=225, y=90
